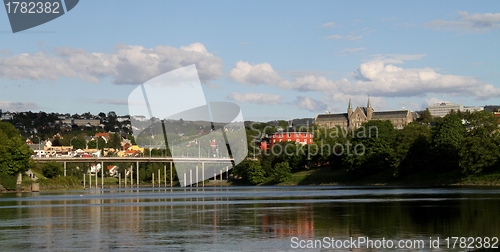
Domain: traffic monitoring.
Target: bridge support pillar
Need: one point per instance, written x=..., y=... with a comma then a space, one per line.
x=165, y=174
x=137, y=175
x=203, y=174
x=171, y=174
x=102, y=175
x=64, y=168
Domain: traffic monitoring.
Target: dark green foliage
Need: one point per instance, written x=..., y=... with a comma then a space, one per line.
x=281, y=172
x=52, y=169
x=372, y=148
x=78, y=143
x=447, y=137
x=93, y=144
x=14, y=152
x=250, y=172
x=480, y=150
x=114, y=141
x=425, y=117
x=412, y=149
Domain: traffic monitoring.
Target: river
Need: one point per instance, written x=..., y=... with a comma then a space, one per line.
x=251, y=219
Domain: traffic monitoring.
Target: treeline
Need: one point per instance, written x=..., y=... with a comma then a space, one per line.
x=460, y=143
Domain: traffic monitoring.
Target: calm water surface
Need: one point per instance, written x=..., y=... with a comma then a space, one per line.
x=242, y=218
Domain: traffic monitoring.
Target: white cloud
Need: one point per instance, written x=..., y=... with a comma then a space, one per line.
x=112, y=101
x=347, y=37
x=381, y=79
x=18, y=106
x=352, y=50
x=396, y=58
x=263, y=73
x=329, y=25
x=470, y=22
x=377, y=78
x=308, y=103
x=125, y=65
x=255, y=98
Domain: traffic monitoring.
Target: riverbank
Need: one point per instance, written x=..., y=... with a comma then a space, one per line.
x=327, y=176
x=312, y=177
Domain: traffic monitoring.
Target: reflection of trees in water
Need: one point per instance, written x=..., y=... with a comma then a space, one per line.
x=409, y=219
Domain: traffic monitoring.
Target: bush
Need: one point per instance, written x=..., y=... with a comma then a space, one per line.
x=282, y=172
x=52, y=170
x=8, y=181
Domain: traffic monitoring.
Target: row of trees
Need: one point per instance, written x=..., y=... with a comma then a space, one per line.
x=461, y=142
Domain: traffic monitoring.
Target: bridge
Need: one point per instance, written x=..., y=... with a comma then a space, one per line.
x=170, y=160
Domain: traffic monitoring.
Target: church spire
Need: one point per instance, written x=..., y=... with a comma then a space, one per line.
x=350, y=104
x=369, y=105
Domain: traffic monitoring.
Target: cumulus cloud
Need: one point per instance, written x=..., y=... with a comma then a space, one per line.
x=308, y=103
x=18, y=106
x=112, y=101
x=347, y=37
x=125, y=65
x=381, y=77
x=352, y=50
x=329, y=25
x=466, y=21
x=263, y=73
x=255, y=98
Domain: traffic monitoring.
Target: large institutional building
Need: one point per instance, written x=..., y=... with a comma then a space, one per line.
x=354, y=118
x=444, y=108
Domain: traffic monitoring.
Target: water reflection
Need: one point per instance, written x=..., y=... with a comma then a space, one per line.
x=241, y=218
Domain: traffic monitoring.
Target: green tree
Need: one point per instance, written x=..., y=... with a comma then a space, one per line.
x=92, y=144
x=480, y=148
x=425, y=117
x=447, y=138
x=14, y=152
x=250, y=172
x=411, y=148
x=372, y=148
x=282, y=172
x=52, y=169
x=78, y=142
x=114, y=141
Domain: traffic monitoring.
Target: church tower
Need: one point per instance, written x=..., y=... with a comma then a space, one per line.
x=369, y=110
x=349, y=108
x=349, y=114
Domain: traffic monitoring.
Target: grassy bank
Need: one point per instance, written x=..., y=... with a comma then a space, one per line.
x=318, y=176
x=327, y=176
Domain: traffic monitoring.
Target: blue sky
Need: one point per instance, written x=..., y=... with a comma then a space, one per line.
x=276, y=59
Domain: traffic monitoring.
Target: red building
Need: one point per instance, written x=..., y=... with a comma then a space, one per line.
x=497, y=114
x=286, y=136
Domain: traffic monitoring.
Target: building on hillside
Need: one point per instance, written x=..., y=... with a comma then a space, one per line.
x=444, y=108
x=497, y=115
x=7, y=116
x=290, y=135
x=355, y=117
